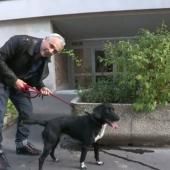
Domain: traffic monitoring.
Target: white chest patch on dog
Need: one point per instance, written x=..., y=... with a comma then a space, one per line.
x=101, y=133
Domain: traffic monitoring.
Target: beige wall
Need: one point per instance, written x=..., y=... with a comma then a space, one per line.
x=34, y=27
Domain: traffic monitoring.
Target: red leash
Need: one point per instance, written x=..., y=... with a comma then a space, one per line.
x=30, y=89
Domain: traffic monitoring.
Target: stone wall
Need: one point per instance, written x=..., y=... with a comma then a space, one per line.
x=147, y=129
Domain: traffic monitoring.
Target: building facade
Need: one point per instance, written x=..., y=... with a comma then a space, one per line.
x=86, y=26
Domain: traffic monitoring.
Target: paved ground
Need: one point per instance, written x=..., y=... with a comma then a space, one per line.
x=124, y=158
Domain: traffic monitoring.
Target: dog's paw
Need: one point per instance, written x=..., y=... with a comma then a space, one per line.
x=83, y=166
x=99, y=162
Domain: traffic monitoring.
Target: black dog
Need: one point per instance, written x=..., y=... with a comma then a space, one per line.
x=87, y=129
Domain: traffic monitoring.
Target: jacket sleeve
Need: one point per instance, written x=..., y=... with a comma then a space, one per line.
x=7, y=51
x=40, y=85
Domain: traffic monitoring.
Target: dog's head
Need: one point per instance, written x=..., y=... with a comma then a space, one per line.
x=104, y=113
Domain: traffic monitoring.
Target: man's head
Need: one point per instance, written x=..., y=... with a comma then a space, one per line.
x=52, y=44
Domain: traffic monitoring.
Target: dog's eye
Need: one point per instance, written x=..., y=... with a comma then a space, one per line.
x=111, y=109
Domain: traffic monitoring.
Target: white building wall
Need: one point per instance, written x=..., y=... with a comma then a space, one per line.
x=35, y=8
x=34, y=27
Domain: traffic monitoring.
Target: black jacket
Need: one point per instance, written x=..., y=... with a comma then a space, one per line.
x=16, y=58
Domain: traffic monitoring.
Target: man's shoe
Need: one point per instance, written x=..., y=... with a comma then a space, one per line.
x=4, y=165
x=28, y=149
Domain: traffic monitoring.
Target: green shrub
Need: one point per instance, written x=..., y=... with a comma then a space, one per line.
x=97, y=92
x=143, y=70
x=105, y=90
x=11, y=109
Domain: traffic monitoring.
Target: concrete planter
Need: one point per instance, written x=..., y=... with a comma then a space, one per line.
x=147, y=129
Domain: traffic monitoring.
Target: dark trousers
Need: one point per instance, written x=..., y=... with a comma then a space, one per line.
x=24, y=107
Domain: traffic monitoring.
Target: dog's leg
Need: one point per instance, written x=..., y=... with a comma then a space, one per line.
x=96, y=154
x=46, y=151
x=53, y=150
x=83, y=157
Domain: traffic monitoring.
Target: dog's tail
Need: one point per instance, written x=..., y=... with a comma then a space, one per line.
x=35, y=122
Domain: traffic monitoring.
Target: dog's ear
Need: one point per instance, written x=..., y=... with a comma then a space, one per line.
x=97, y=111
x=87, y=113
x=97, y=115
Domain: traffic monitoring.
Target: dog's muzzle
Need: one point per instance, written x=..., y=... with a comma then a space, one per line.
x=114, y=125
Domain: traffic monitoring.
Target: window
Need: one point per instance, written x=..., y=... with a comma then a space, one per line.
x=100, y=67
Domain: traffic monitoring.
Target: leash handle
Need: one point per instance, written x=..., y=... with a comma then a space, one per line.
x=27, y=88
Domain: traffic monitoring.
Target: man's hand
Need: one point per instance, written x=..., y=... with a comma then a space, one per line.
x=45, y=91
x=20, y=84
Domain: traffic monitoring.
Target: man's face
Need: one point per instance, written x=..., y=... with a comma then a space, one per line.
x=51, y=46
